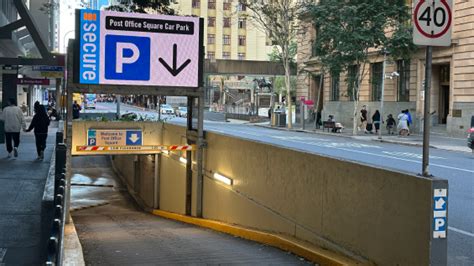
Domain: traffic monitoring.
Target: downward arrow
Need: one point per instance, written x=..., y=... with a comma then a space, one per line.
x=134, y=138
x=173, y=70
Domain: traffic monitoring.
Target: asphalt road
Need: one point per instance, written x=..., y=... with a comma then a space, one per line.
x=456, y=167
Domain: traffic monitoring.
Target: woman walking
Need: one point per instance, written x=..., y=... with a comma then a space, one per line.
x=376, y=121
x=40, y=123
x=403, y=124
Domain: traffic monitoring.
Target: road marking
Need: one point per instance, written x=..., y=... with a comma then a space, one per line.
x=411, y=155
x=460, y=231
x=3, y=251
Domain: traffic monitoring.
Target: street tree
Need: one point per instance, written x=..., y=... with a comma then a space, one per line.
x=351, y=31
x=278, y=19
x=144, y=6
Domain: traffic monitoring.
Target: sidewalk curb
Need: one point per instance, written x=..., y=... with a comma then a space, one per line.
x=307, y=251
x=73, y=254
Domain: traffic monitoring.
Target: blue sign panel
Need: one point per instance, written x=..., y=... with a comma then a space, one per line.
x=89, y=46
x=127, y=57
x=134, y=137
x=440, y=207
x=91, y=138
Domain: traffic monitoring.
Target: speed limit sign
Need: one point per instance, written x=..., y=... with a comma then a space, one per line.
x=432, y=21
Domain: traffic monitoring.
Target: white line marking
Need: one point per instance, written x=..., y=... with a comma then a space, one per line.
x=460, y=231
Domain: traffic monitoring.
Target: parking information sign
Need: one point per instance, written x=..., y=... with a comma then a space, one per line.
x=138, y=49
x=432, y=22
x=113, y=137
x=440, y=201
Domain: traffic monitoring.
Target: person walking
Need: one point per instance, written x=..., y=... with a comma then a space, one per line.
x=376, y=121
x=40, y=124
x=363, y=119
x=409, y=120
x=76, y=109
x=403, y=124
x=390, y=124
x=13, y=123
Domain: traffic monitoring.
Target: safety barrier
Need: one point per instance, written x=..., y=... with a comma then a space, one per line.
x=55, y=241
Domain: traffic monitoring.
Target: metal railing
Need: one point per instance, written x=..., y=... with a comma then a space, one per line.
x=55, y=240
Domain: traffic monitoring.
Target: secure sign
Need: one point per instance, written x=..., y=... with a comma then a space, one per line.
x=138, y=49
x=432, y=21
x=113, y=137
x=440, y=200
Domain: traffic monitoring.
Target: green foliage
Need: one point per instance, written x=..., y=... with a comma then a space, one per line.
x=279, y=86
x=143, y=6
x=276, y=55
x=346, y=30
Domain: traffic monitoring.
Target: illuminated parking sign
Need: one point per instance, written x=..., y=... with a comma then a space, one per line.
x=138, y=49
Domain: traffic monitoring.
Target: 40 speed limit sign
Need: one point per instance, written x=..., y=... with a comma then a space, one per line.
x=432, y=20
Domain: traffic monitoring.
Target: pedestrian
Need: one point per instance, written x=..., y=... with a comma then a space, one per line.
x=319, y=122
x=76, y=109
x=409, y=121
x=40, y=125
x=363, y=119
x=390, y=124
x=14, y=122
x=376, y=121
x=403, y=124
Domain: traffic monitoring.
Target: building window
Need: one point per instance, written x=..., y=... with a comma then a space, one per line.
x=226, y=22
x=241, y=7
x=211, y=21
x=403, y=69
x=241, y=40
x=211, y=4
x=225, y=55
x=242, y=23
x=241, y=56
x=226, y=40
x=211, y=39
x=211, y=55
x=196, y=4
x=352, y=77
x=376, y=81
x=227, y=5
x=335, y=86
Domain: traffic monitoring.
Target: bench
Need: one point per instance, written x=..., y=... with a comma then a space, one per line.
x=329, y=125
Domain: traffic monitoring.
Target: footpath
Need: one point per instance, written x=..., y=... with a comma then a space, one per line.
x=438, y=140
x=22, y=184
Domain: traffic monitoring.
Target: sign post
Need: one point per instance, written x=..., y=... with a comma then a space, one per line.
x=432, y=27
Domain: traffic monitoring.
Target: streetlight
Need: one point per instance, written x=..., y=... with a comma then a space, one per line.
x=385, y=76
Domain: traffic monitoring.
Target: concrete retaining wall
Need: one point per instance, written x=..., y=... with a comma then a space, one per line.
x=380, y=215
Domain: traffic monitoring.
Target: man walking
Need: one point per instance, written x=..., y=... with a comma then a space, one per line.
x=14, y=122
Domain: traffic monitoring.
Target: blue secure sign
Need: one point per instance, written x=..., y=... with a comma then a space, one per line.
x=89, y=53
x=440, y=201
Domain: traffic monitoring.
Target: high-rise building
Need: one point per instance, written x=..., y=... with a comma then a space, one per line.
x=228, y=32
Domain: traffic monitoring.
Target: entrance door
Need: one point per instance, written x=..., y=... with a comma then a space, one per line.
x=443, y=104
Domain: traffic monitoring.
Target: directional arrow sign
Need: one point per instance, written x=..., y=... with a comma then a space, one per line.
x=174, y=71
x=138, y=49
x=134, y=138
x=439, y=204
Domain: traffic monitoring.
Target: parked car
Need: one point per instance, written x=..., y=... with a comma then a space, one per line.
x=470, y=138
x=166, y=109
x=182, y=112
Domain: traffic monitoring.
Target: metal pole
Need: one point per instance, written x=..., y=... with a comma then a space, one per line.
x=426, y=116
x=382, y=96
x=200, y=155
x=119, y=100
x=304, y=111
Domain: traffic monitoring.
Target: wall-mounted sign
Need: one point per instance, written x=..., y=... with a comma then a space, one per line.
x=29, y=81
x=440, y=225
x=114, y=137
x=138, y=49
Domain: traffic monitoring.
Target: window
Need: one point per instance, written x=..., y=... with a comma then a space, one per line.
x=211, y=55
x=241, y=7
x=226, y=22
x=352, y=76
x=241, y=56
x=403, y=69
x=211, y=4
x=241, y=40
x=227, y=5
x=376, y=81
x=196, y=4
x=226, y=40
x=335, y=86
x=242, y=23
x=211, y=39
x=211, y=21
x=225, y=55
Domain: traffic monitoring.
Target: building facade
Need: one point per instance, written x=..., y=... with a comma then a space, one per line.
x=452, y=91
x=228, y=34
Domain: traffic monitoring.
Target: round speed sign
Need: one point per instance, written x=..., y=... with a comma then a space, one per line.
x=432, y=19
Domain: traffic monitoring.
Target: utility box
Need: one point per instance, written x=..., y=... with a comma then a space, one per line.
x=280, y=119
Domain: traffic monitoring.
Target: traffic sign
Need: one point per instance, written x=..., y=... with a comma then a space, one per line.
x=138, y=49
x=432, y=22
x=114, y=137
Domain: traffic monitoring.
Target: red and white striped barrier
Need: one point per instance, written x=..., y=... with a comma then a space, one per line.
x=149, y=148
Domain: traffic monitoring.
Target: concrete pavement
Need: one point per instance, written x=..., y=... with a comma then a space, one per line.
x=22, y=183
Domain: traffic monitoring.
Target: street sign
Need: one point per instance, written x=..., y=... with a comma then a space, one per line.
x=29, y=81
x=440, y=201
x=432, y=22
x=114, y=137
x=138, y=49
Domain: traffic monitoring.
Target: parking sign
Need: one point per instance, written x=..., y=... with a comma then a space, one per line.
x=138, y=49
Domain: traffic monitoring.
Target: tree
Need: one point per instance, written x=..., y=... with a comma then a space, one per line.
x=350, y=31
x=144, y=6
x=278, y=18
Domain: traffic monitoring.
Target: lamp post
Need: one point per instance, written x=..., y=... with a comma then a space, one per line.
x=382, y=94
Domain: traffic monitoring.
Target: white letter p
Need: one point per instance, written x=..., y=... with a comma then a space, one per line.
x=121, y=60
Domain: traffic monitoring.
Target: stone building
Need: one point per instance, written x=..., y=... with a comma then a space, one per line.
x=452, y=93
